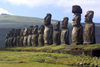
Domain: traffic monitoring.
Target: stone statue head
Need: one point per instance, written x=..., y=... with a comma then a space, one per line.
x=25, y=31
x=35, y=30
x=41, y=29
x=18, y=32
x=29, y=31
x=12, y=33
x=21, y=32
x=76, y=9
x=65, y=23
x=47, y=19
x=15, y=33
x=57, y=26
x=89, y=16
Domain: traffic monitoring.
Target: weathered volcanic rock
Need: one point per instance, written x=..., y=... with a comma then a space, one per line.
x=41, y=36
x=65, y=32
x=76, y=9
x=34, y=40
x=77, y=31
x=89, y=30
x=57, y=34
x=48, y=31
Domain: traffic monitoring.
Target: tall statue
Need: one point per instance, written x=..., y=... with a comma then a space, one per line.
x=41, y=36
x=65, y=32
x=89, y=30
x=48, y=31
x=77, y=31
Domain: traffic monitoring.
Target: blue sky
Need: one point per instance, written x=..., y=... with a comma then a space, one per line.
x=58, y=8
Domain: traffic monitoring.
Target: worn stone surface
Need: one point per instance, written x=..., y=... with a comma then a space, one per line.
x=89, y=30
x=25, y=32
x=57, y=34
x=21, y=37
x=34, y=40
x=77, y=31
x=41, y=36
x=29, y=37
x=65, y=32
x=76, y=9
x=48, y=31
x=25, y=40
x=47, y=19
x=25, y=36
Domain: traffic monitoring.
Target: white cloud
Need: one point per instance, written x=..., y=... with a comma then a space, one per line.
x=31, y=3
x=3, y=11
x=66, y=4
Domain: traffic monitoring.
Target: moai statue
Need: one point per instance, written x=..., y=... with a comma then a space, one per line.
x=6, y=42
x=25, y=35
x=11, y=38
x=65, y=31
x=21, y=37
x=48, y=31
x=41, y=36
x=57, y=34
x=89, y=30
x=18, y=37
x=29, y=37
x=77, y=31
x=14, y=37
x=7, y=39
x=34, y=40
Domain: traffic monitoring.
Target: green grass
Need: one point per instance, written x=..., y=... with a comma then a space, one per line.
x=62, y=47
x=41, y=59
x=26, y=59
x=35, y=64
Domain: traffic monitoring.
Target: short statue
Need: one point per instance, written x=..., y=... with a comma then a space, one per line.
x=41, y=36
x=65, y=31
x=57, y=34
x=34, y=38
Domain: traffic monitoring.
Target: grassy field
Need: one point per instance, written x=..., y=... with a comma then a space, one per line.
x=29, y=59
x=41, y=59
x=44, y=59
x=59, y=47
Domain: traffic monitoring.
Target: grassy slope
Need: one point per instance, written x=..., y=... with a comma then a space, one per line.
x=63, y=47
x=41, y=59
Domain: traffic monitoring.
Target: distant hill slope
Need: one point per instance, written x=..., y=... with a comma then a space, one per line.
x=10, y=21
